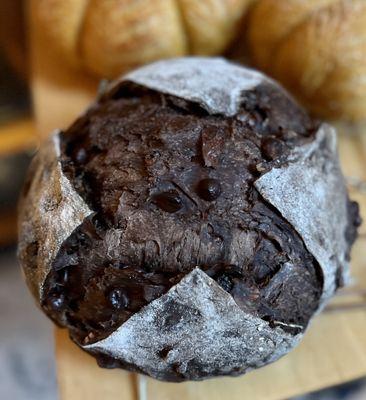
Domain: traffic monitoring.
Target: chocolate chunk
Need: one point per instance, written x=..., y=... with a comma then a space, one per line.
x=209, y=189
x=63, y=275
x=225, y=282
x=81, y=156
x=118, y=299
x=168, y=201
x=273, y=148
x=55, y=301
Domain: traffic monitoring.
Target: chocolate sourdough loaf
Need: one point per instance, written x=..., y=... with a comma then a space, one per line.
x=189, y=224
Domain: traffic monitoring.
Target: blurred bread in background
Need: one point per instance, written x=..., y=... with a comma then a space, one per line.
x=13, y=34
x=17, y=131
x=110, y=37
x=317, y=49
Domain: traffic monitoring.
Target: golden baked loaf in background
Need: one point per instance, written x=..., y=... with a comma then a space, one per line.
x=109, y=37
x=13, y=35
x=317, y=49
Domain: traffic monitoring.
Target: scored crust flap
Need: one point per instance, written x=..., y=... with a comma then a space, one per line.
x=193, y=330
x=213, y=83
x=311, y=194
x=50, y=209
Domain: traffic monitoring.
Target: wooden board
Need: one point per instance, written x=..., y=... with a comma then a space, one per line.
x=90, y=381
x=334, y=349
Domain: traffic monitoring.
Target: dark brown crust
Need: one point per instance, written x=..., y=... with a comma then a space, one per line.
x=138, y=159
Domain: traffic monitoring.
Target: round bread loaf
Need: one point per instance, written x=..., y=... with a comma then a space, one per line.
x=110, y=37
x=316, y=48
x=189, y=224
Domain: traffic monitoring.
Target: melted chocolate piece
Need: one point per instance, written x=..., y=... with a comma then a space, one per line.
x=172, y=189
x=118, y=299
x=168, y=201
x=55, y=302
x=209, y=189
x=272, y=148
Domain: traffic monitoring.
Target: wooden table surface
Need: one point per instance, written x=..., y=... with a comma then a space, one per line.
x=332, y=352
